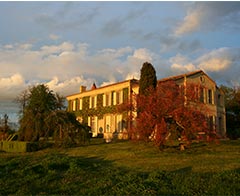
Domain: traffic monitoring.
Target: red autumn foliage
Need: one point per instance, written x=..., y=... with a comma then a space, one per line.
x=170, y=112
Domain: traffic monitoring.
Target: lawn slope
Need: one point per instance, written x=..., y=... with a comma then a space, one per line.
x=123, y=168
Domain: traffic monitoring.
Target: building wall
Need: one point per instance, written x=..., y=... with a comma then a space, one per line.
x=105, y=99
x=97, y=108
x=212, y=98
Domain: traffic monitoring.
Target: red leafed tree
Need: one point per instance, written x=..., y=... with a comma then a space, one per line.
x=170, y=112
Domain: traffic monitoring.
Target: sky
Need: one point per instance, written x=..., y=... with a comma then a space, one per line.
x=68, y=44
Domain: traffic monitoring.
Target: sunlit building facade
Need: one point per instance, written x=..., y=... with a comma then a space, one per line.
x=97, y=107
x=209, y=95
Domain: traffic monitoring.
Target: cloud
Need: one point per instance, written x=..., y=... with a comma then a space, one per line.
x=66, y=16
x=66, y=65
x=215, y=64
x=69, y=86
x=11, y=86
x=172, y=43
x=122, y=23
x=222, y=64
x=54, y=37
x=209, y=15
x=190, y=23
x=52, y=49
x=181, y=64
x=14, y=80
x=216, y=61
x=143, y=54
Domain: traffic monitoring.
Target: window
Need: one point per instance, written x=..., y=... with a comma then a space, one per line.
x=92, y=122
x=196, y=93
x=108, y=99
x=202, y=95
x=93, y=102
x=212, y=123
x=220, y=100
x=74, y=105
x=80, y=104
x=210, y=97
x=119, y=124
x=108, y=124
x=114, y=98
x=118, y=97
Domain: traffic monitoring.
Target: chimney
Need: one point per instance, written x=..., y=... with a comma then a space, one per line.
x=82, y=89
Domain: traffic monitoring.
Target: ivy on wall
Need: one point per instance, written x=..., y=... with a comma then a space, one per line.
x=100, y=110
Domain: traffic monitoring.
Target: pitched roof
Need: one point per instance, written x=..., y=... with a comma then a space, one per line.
x=179, y=76
x=185, y=75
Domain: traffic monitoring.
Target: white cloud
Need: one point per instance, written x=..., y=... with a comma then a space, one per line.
x=181, y=64
x=13, y=80
x=8, y=46
x=143, y=54
x=54, y=37
x=11, y=86
x=69, y=86
x=215, y=64
x=222, y=64
x=179, y=59
x=25, y=46
x=111, y=81
x=65, y=46
x=190, y=23
x=66, y=66
x=216, y=60
x=178, y=68
x=134, y=75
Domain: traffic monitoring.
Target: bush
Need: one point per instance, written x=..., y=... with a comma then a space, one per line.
x=233, y=133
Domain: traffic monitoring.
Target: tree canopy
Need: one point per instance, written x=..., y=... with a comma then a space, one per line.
x=232, y=105
x=37, y=106
x=148, y=78
x=165, y=116
x=43, y=115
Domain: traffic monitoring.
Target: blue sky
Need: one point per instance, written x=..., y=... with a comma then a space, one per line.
x=68, y=44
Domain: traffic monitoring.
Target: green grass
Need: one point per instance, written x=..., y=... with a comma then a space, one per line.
x=123, y=168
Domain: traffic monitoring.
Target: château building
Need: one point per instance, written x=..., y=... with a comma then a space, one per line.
x=97, y=107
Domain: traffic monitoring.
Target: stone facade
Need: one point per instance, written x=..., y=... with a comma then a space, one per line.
x=97, y=107
x=209, y=94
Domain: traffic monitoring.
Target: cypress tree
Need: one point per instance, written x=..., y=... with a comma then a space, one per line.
x=148, y=78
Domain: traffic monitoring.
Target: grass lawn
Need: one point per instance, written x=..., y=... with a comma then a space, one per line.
x=123, y=168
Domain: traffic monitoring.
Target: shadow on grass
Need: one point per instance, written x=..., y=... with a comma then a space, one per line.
x=60, y=174
x=183, y=170
x=231, y=142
